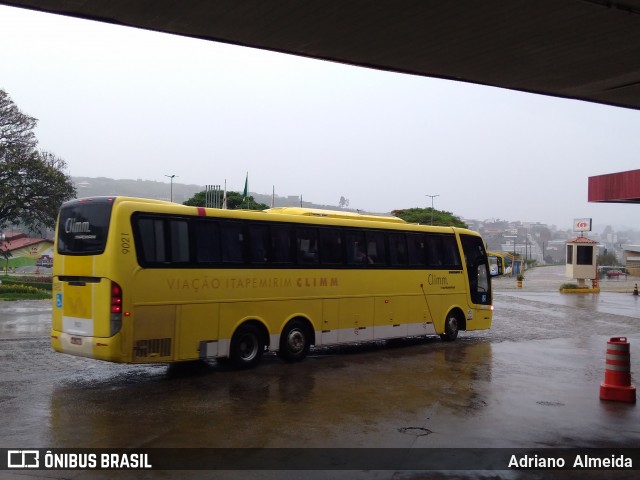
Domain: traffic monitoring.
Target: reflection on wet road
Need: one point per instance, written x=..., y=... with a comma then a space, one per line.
x=19, y=319
x=604, y=302
x=375, y=395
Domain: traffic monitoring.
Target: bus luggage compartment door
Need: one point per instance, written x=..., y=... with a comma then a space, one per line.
x=390, y=317
x=355, y=319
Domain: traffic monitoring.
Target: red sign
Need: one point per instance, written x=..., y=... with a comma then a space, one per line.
x=582, y=225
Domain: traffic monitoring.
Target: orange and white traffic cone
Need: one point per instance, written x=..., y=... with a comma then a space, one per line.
x=617, y=374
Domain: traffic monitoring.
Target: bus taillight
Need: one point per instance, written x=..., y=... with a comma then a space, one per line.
x=116, y=308
x=116, y=298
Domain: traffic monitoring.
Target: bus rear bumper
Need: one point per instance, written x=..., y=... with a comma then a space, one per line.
x=107, y=349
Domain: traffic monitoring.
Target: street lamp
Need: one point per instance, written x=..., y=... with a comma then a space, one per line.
x=513, y=262
x=171, y=177
x=432, y=197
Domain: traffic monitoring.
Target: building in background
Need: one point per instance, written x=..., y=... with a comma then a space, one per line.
x=631, y=259
x=20, y=253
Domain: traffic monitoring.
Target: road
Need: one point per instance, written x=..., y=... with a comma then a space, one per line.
x=532, y=381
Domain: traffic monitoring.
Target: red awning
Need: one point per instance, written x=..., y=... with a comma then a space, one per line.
x=621, y=187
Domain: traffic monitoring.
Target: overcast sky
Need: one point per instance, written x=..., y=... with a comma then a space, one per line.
x=125, y=103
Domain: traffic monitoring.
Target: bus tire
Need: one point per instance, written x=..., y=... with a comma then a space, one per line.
x=451, y=325
x=295, y=341
x=247, y=346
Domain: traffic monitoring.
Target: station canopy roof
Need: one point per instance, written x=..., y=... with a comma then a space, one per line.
x=580, y=49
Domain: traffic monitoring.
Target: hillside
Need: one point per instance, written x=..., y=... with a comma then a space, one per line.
x=99, y=186
x=92, y=187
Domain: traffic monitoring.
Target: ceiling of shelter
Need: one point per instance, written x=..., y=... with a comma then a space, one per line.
x=581, y=49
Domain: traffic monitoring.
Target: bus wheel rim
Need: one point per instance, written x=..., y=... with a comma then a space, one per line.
x=453, y=324
x=295, y=341
x=248, y=347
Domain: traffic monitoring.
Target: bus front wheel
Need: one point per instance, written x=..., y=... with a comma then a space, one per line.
x=247, y=347
x=450, y=328
x=295, y=342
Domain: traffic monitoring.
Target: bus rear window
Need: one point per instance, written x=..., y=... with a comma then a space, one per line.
x=83, y=226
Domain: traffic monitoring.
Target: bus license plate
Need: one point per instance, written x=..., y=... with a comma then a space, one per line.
x=76, y=341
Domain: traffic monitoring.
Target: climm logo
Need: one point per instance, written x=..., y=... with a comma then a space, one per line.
x=73, y=226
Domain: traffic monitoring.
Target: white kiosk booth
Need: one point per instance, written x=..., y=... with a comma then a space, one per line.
x=581, y=261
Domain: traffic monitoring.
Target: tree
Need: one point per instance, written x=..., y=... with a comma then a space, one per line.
x=424, y=215
x=33, y=184
x=608, y=259
x=16, y=128
x=235, y=201
x=33, y=187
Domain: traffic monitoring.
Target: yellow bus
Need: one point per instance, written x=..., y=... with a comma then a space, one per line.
x=496, y=263
x=141, y=281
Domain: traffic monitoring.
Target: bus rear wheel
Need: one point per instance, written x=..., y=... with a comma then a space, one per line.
x=294, y=342
x=247, y=347
x=450, y=328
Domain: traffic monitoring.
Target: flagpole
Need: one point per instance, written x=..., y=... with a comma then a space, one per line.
x=246, y=190
x=224, y=196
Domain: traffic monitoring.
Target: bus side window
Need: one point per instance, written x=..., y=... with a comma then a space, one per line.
x=281, y=244
x=376, y=251
x=356, y=248
x=232, y=242
x=258, y=243
x=431, y=250
x=307, y=246
x=331, y=250
x=450, y=253
x=398, y=249
x=416, y=249
x=151, y=231
x=207, y=242
x=441, y=251
x=179, y=235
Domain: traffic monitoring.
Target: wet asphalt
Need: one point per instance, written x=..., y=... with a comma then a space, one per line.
x=531, y=381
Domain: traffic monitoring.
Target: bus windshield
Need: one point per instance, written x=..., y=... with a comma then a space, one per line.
x=476, y=258
x=84, y=225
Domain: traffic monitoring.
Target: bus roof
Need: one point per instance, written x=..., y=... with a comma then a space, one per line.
x=118, y=198
x=313, y=215
x=316, y=212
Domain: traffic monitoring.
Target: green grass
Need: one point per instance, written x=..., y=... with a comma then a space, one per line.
x=25, y=296
x=41, y=283
x=13, y=291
